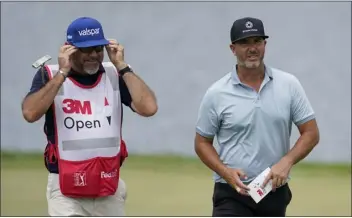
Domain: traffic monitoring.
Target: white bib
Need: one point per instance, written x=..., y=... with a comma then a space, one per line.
x=88, y=119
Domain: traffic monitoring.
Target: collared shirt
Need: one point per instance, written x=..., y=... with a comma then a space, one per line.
x=252, y=129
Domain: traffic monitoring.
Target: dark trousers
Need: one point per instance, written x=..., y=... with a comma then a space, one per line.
x=227, y=202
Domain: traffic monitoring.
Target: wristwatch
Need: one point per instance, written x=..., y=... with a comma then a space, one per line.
x=63, y=74
x=125, y=70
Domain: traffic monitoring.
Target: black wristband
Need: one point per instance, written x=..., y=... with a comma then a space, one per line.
x=125, y=70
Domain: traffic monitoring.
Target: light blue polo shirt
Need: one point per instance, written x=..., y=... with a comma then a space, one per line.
x=253, y=129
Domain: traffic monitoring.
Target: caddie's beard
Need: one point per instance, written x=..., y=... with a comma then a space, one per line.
x=90, y=70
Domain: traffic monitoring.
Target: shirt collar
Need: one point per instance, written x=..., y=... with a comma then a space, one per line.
x=268, y=75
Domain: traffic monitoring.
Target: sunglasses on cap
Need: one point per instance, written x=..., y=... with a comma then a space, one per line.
x=89, y=50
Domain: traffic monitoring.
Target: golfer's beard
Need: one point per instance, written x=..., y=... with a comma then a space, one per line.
x=91, y=71
x=249, y=64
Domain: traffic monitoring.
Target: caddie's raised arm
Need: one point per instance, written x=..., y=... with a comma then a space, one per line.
x=143, y=98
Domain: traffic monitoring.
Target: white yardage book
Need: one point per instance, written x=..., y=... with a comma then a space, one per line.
x=256, y=192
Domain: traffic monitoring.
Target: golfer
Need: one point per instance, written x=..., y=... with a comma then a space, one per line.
x=249, y=112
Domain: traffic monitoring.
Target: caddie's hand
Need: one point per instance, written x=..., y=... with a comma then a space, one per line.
x=233, y=177
x=64, y=57
x=116, y=54
x=278, y=174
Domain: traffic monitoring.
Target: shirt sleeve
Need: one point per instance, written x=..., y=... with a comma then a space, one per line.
x=125, y=93
x=38, y=82
x=301, y=109
x=208, y=120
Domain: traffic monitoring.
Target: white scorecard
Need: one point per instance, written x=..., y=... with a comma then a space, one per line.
x=258, y=193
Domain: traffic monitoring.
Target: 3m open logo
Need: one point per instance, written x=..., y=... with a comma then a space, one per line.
x=88, y=32
x=260, y=192
x=80, y=179
x=72, y=106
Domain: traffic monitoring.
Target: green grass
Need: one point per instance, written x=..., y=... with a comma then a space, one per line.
x=174, y=186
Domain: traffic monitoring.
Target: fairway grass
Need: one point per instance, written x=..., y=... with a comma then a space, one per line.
x=174, y=186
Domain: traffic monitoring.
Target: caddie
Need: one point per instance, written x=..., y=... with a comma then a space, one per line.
x=81, y=98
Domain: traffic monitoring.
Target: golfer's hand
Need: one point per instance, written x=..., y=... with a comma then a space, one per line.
x=278, y=174
x=233, y=177
x=64, y=57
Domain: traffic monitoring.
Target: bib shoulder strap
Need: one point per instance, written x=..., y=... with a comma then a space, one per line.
x=112, y=74
x=52, y=71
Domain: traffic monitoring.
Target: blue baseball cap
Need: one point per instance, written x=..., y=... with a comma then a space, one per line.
x=85, y=32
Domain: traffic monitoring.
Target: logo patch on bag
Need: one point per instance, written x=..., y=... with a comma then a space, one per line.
x=80, y=179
